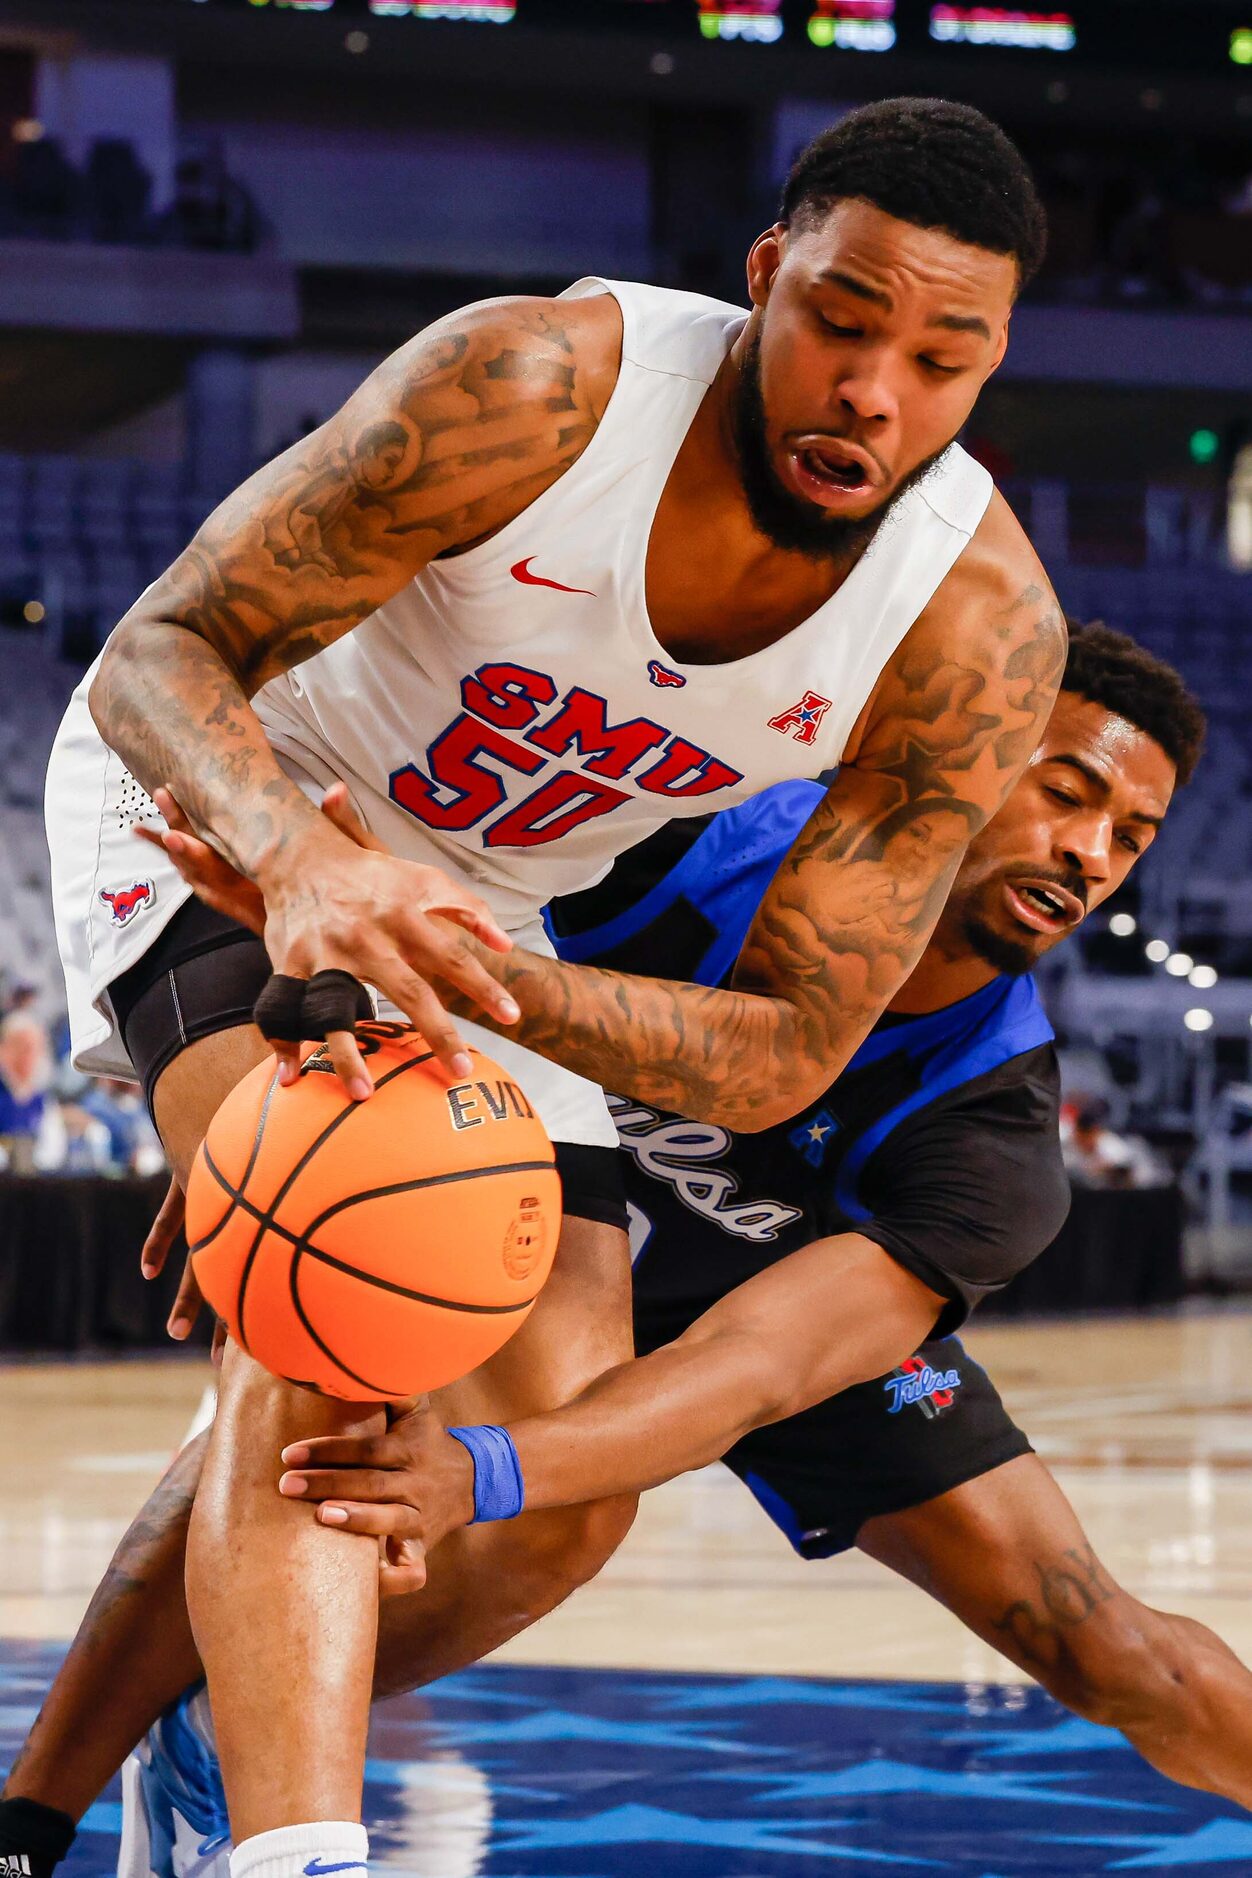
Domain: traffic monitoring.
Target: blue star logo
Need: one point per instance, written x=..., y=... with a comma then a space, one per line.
x=814, y=1135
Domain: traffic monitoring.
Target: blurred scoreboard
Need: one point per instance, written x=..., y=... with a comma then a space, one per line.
x=1162, y=35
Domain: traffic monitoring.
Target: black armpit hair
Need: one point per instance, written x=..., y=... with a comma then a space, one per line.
x=930, y=162
x=1109, y=668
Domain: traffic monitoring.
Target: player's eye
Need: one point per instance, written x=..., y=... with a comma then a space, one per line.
x=1062, y=795
x=1131, y=844
x=945, y=371
x=840, y=332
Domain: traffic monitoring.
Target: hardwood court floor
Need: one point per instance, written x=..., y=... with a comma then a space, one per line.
x=1148, y=1424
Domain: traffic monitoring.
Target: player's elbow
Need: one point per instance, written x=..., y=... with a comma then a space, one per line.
x=778, y=1099
x=102, y=693
x=126, y=663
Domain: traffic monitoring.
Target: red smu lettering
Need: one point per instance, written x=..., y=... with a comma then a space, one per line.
x=673, y=776
x=507, y=696
x=605, y=749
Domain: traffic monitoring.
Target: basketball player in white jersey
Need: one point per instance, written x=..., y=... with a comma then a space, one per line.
x=559, y=571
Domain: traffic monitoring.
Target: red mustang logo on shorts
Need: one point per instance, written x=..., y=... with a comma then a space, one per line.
x=124, y=902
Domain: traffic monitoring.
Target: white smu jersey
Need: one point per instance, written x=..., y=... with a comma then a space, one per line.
x=510, y=713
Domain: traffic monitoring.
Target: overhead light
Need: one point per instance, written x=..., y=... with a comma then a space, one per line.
x=1157, y=950
x=1123, y=924
x=1203, y=977
x=1179, y=964
x=1198, y=1018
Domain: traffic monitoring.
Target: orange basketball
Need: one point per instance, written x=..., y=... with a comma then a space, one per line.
x=374, y=1249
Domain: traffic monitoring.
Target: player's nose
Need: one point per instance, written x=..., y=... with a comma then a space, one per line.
x=865, y=391
x=1086, y=847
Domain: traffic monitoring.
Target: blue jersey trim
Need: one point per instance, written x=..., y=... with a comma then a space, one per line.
x=757, y=833
x=774, y=1506
x=1020, y=1023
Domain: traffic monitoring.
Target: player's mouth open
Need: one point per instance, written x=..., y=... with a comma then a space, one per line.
x=829, y=472
x=1042, y=905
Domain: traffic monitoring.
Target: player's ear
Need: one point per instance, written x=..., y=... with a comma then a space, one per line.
x=765, y=257
x=1002, y=345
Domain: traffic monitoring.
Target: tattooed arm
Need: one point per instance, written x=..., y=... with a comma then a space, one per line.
x=449, y=439
x=955, y=718
x=847, y=916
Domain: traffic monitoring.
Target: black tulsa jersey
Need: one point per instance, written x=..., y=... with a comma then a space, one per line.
x=939, y=1140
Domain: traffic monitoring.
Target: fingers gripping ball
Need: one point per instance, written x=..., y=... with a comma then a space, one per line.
x=374, y=1249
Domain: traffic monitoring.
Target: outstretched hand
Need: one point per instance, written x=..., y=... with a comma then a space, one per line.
x=354, y=909
x=408, y=1488
x=189, y=1300
x=213, y=879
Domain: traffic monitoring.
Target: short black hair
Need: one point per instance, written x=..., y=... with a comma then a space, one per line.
x=930, y=162
x=1111, y=669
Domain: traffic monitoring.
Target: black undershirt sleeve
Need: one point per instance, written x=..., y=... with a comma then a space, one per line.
x=971, y=1189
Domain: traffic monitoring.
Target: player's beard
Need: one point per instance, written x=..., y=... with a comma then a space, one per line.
x=1011, y=956
x=786, y=519
x=1004, y=950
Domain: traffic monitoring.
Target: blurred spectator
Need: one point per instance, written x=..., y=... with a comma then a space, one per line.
x=118, y=189
x=86, y=1148
x=1096, y=1156
x=46, y=191
x=31, y=1131
x=131, y=1142
x=44, y=195
x=210, y=209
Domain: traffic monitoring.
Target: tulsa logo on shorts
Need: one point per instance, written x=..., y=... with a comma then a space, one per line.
x=917, y=1385
x=124, y=902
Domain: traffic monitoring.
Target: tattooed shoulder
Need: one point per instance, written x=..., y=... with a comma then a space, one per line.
x=451, y=437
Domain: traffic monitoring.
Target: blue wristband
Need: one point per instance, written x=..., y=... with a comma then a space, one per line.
x=498, y=1489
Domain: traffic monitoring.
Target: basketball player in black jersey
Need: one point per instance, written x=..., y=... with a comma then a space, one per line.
x=745, y=1319
x=939, y=1144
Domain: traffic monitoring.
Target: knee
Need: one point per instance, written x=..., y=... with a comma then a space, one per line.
x=1129, y=1672
x=567, y=1546
x=254, y=1404
x=597, y=1530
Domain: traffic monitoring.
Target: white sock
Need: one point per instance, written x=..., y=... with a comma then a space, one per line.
x=308, y=1851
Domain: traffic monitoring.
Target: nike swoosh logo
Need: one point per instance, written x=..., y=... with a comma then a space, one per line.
x=315, y=1868
x=520, y=570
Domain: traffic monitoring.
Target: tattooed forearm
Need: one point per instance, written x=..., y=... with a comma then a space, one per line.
x=848, y=914
x=449, y=439
x=1070, y=1589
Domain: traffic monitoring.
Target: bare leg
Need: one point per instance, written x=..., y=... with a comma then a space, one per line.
x=1007, y=1555
x=488, y=1582
x=134, y=1652
x=284, y=1614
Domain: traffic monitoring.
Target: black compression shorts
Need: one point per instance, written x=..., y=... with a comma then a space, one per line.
x=880, y=1447
x=204, y=973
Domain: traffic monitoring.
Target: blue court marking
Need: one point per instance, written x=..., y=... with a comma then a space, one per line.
x=514, y=1772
